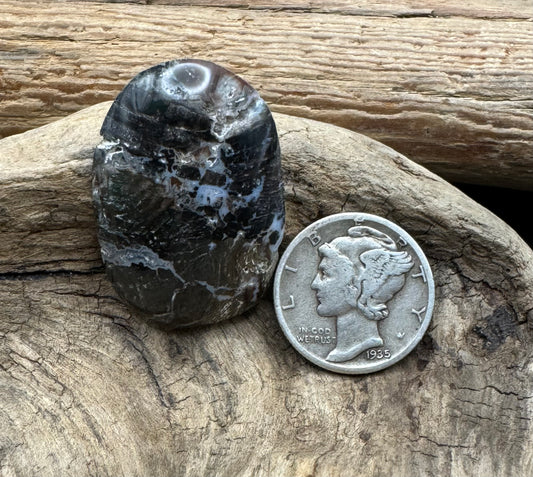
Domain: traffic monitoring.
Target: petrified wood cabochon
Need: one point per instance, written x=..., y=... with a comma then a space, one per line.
x=187, y=187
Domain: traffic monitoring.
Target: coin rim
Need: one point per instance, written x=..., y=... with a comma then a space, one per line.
x=342, y=368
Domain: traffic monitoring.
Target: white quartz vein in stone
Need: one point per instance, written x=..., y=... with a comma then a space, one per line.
x=140, y=255
x=216, y=291
x=238, y=116
x=277, y=225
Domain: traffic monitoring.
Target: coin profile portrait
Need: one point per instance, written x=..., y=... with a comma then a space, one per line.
x=354, y=293
x=357, y=275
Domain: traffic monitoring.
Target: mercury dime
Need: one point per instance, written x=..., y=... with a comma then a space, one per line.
x=354, y=293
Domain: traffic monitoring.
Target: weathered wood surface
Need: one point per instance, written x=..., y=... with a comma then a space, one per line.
x=502, y=9
x=445, y=83
x=86, y=388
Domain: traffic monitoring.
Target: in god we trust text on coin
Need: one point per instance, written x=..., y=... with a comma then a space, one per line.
x=354, y=293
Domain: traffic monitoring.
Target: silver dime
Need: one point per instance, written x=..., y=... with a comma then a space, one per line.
x=354, y=293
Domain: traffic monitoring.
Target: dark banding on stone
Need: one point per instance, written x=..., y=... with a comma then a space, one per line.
x=187, y=187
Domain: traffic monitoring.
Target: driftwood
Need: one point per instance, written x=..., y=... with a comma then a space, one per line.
x=446, y=84
x=86, y=388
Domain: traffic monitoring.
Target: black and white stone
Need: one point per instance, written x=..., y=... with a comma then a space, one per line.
x=187, y=187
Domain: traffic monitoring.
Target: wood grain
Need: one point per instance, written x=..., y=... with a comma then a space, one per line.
x=86, y=388
x=502, y=9
x=448, y=85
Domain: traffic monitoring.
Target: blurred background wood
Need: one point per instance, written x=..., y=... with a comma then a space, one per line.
x=445, y=83
x=86, y=388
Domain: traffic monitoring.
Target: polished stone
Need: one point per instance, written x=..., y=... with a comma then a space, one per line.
x=187, y=187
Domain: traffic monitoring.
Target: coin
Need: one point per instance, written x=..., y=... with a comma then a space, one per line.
x=354, y=293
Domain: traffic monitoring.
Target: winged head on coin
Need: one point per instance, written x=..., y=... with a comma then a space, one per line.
x=357, y=275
